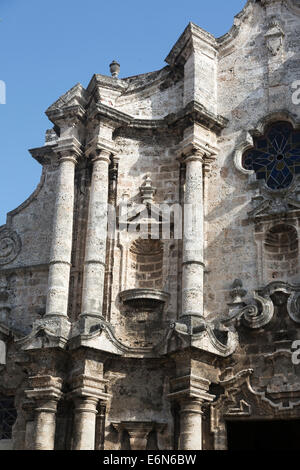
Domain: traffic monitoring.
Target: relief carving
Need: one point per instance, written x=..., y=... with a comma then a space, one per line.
x=10, y=245
x=274, y=37
x=258, y=310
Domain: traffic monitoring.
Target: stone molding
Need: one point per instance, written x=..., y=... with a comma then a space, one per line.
x=85, y=386
x=138, y=295
x=241, y=400
x=68, y=148
x=206, y=335
x=44, y=388
x=31, y=198
x=70, y=114
x=190, y=386
x=50, y=331
x=186, y=44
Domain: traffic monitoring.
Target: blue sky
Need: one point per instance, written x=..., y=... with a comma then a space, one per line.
x=47, y=47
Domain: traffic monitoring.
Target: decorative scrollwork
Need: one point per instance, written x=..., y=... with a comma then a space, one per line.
x=10, y=245
x=254, y=317
x=293, y=307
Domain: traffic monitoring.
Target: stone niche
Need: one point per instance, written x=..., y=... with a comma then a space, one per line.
x=278, y=250
x=281, y=246
x=147, y=263
x=142, y=306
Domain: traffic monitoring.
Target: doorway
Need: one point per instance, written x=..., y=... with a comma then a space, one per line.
x=263, y=435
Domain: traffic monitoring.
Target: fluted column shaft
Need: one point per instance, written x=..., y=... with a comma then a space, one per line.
x=84, y=427
x=193, y=239
x=190, y=424
x=95, y=254
x=44, y=425
x=61, y=245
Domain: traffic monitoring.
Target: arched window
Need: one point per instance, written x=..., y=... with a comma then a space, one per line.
x=275, y=156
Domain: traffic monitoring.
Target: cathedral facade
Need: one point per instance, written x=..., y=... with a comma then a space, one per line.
x=149, y=287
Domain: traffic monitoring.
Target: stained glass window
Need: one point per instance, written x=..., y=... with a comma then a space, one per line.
x=275, y=156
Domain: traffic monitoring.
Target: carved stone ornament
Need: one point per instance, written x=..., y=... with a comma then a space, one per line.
x=274, y=37
x=258, y=310
x=275, y=202
x=10, y=245
x=293, y=306
x=241, y=400
x=258, y=315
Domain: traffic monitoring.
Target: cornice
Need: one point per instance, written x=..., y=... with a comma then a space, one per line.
x=74, y=112
x=195, y=112
x=106, y=82
x=238, y=20
x=183, y=47
x=111, y=115
x=43, y=155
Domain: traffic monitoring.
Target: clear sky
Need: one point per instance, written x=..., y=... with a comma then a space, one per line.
x=49, y=46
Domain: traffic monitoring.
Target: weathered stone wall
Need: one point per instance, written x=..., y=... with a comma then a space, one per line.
x=181, y=131
x=252, y=84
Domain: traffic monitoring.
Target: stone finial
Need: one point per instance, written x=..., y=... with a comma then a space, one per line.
x=237, y=292
x=114, y=69
x=147, y=191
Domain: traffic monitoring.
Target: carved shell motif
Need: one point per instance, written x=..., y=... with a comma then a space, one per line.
x=10, y=245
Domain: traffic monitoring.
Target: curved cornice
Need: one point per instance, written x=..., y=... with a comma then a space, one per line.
x=28, y=201
x=238, y=20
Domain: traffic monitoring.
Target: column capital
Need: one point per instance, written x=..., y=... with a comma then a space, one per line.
x=192, y=153
x=102, y=155
x=85, y=386
x=44, y=388
x=96, y=146
x=190, y=387
x=196, y=151
x=84, y=404
x=68, y=149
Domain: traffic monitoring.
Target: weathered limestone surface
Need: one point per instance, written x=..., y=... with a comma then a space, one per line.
x=135, y=341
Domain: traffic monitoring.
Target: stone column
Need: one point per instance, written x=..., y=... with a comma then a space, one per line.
x=46, y=392
x=61, y=245
x=193, y=238
x=190, y=393
x=190, y=424
x=95, y=254
x=45, y=423
x=84, y=426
